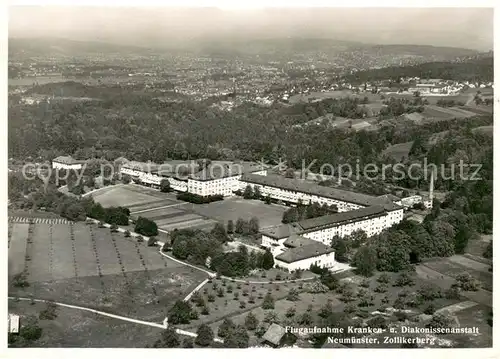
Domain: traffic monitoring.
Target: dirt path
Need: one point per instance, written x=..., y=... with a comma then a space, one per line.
x=119, y=317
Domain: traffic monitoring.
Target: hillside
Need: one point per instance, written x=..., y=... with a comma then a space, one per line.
x=480, y=69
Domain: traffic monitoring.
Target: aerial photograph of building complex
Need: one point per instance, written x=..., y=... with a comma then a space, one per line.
x=261, y=178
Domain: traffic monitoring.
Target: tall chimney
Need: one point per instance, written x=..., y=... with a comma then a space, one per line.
x=431, y=187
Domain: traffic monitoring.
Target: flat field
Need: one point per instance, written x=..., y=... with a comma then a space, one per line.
x=85, y=265
x=234, y=208
x=73, y=328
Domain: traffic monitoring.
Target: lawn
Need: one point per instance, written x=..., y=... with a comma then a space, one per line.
x=82, y=264
x=237, y=207
x=399, y=150
x=133, y=196
x=74, y=328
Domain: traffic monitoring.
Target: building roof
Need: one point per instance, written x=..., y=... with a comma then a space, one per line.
x=222, y=169
x=342, y=217
x=296, y=240
x=67, y=160
x=298, y=185
x=274, y=334
x=299, y=253
x=147, y=167
x=281, y=231
x=330, y=220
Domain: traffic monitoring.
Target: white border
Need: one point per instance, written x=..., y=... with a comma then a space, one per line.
x=290, y=354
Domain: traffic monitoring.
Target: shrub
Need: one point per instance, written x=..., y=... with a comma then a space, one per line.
x=381, y=288
x=429, y=292
x=383, y=278
x=127, y=233
x=152, y=241
x=365, y=283
x=430, y=309
x=377, y=322
x=400, y=315
x=466, y=282
x=452, y=293
x=404, y=279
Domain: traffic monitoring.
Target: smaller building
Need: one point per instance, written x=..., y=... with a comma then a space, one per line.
x=302, y=252
x=274, y=335
x=13, y=323
x=67, y=162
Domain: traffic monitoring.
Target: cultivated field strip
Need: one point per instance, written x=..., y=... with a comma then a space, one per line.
x=96, y=254
x=151, y=205
x=161, y=220
x=160, y=213
x=17, y=249
x=9, y=234
x=63, y=261
x=118, y=256
x=73, y=250
x=85, y=256
x=28, y=252
x=41, y=262
x=38, y=220
x=187, y=224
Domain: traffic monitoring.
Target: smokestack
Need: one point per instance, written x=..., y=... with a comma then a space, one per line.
x=431, y=187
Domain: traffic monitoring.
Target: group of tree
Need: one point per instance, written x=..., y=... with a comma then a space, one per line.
x=111, y=215
x=146, y=227
x=302, y=212
x=197, y=199
x=241, y=262
x=249, y=227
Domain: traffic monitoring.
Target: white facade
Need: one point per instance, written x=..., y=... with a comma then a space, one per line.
x=225, y=186
x=285, y=195
x=324, y=260
x=370, y=225
x=66, y=166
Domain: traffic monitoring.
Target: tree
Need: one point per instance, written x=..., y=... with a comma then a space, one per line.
x=439, y=320
x=180, y=313
x=256, y=193
x=290, y=173
x=268, y=302
x=230, y=227
x=365, y=261
x=240, y=226
x=293, y=295
x=341, y=247
x=169, y=339
x=237, y=338
x=146, y=227
x=248, y=192
x=290, y=312
x=291, y=215
x=165, y=186
x=205, y=335
x=152, y=241
x=251, y=321
x=219, y=232
x=253, y=225
x=404, y=279
x=226, y=326
x=305, y=319
x=267, y=260
x=187, y=343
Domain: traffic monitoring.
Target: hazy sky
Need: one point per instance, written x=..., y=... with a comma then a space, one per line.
x=457, y=27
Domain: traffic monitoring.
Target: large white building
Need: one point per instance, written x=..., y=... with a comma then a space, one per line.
x=212, y=178
x=278, y=239
x=295, y=190
x=67, y=163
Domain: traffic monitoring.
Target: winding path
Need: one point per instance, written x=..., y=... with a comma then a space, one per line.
x=119, y=317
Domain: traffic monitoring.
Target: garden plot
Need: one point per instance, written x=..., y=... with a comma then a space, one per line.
x=42, y=253
x=17, y=249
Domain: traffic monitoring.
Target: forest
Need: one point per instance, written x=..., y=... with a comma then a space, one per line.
x=473, y=70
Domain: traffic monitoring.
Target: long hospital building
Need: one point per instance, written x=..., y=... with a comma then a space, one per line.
x=296, y=245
